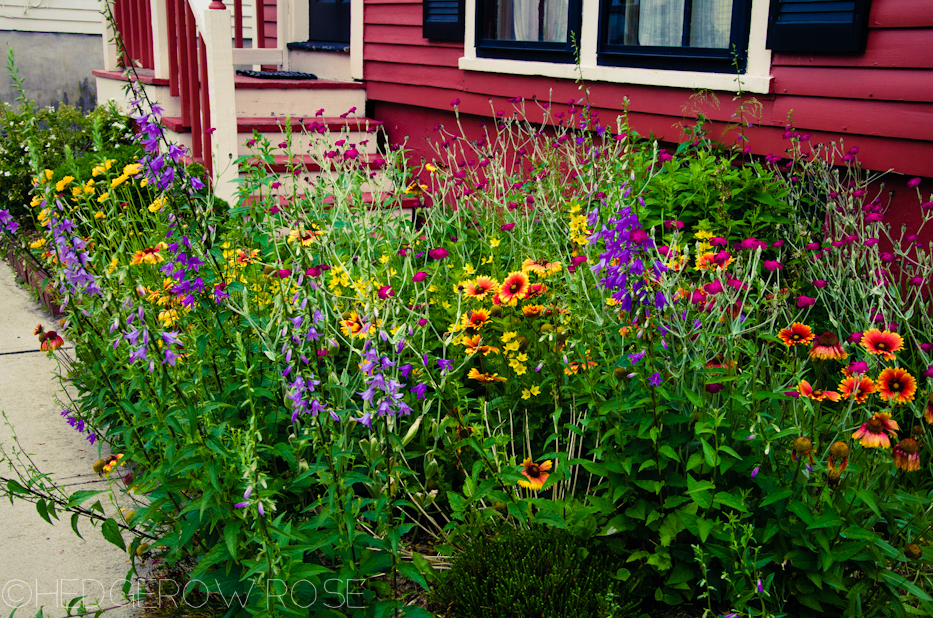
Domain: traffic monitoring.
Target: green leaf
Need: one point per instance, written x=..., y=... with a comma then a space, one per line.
x=80, y=497
x=776, y=496
x=413, y=611
x=230, y=537
x=15, y=487
x=868, y=497
x=800, y=510
x=111, y=532
x=899, y=581
x=730, y=500
x=74, y=525
x=667, y=451
x=709, y=453
x=669, y=529
x=43, y=510
x=410, y=571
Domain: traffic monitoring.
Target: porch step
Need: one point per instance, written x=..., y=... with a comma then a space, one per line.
x=278, y=98
x=303, y=171
x=358, y=133
x=110, y=85
x=326, y=60
x=255, y=98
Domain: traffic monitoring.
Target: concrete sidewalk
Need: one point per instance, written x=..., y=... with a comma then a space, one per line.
x=40, y=564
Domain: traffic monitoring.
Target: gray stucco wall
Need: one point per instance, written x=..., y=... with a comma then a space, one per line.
x=55, y=68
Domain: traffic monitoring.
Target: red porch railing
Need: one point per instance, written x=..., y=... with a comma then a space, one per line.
x=132, y=17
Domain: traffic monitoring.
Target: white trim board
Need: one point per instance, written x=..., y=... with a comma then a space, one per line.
x=756, y=79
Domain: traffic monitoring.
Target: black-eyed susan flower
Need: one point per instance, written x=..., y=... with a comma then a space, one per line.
x=896, y=385
x=875, y=432
x=514, y=288
x=856, y=387
x=797, y=334
x=535, y=473
x=827, y=347
x=907, y=455
x=475, y=374
x=880, y=342
x=480, y=288
x=838, y=456
x=816, y=394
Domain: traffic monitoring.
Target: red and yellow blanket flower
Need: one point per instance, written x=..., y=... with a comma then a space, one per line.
x=149, y=255
x=541, y=267
x=797, y=334
x=475, y=374
x=514, y=288
x=896, y=385
x=535, y=473
x=828, y=347
x=907, y=455
x=480, y=287
x=816, y=394
x=883, y=342
x=875, y=432
x=858, y=387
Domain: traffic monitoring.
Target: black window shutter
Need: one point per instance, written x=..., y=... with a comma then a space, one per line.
x=443, y=19
x=829, y=26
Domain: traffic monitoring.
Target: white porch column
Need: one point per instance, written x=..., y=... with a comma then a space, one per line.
x=159, y=20
x=218, y=40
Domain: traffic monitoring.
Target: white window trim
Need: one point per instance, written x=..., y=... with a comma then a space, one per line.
x=756, y=79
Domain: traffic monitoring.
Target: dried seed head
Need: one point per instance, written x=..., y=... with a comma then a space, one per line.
x=913, y=552
x=803, y=445
x=839, y=450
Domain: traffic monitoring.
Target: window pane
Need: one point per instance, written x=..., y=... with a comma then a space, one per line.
x=527, y=20
x=711, y=24
x=660, y=23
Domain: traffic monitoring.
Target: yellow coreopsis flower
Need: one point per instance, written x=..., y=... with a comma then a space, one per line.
x=132, y=169
x=113, y=265
x=119, y=180
x=99, y=214
x=37, y=244
x=143, y=182
x=36, y=201
x=495, y=242
x=49, y=174
x=103, y=196
x=64, y=182
x=89, y=186
x=468, y=270
x=508, y=336
x=157, y=204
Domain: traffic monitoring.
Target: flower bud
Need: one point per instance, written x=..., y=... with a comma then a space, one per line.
x=142, y=549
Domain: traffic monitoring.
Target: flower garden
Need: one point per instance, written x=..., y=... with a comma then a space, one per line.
x=594, y=377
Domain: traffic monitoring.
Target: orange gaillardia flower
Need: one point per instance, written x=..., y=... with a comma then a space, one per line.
x=798, y=333
x=838, y=453
x=907, y=455
x=52, y=341
x=475, y=319
x=536, y=289
x=149, y=255
x=859, y=388
x=514, y=288
x=884, y=343
x=475, y=374
x=928, y=412
x=816, y=394
x=532, y=311
x=535, y=473
x=351, y=325
x=474, y=345
x=827, y=346
x=875, y=432
x=896, y=385
x=306, y=237
x=480, y=287
x=541, y=267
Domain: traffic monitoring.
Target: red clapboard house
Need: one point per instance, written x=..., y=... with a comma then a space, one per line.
x=856, y=70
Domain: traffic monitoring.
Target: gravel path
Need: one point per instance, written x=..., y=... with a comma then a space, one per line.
x=40, y=564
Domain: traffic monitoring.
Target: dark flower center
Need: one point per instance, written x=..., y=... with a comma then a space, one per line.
x=515, y=287
x=895, y=385
x=828, y=339
x=533, y=471
x=874, y=426
x=881, y=345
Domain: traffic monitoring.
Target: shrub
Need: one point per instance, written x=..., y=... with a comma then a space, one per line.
x=536, y=573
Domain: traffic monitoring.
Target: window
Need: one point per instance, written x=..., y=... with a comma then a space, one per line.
x=699, y=35
x=672, y=43
x=529, y=29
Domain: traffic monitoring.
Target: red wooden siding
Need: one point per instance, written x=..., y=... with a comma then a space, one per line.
x=881, y=100
x=269, y=22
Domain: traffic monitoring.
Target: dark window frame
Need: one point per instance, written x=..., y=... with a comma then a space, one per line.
x=733, y=59
x=538, y=51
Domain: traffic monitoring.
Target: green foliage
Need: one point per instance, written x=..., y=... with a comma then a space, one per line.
x=540, y=572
